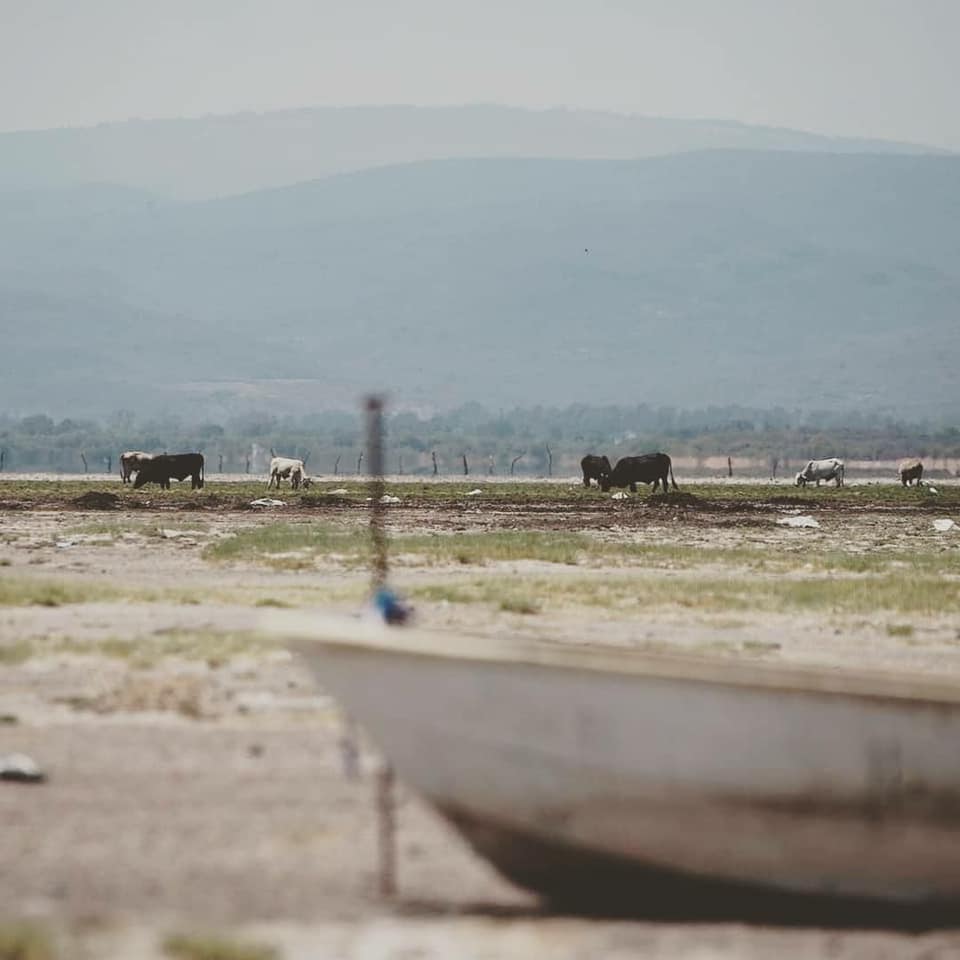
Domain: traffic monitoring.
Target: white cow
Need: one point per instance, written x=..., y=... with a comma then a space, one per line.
x=830, y=469
x=283, y=467
x=131, y=462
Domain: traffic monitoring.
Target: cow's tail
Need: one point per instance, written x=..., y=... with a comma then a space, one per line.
x=670, y=468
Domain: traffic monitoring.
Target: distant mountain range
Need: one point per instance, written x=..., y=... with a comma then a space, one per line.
x=802, y=279
x=206, y=157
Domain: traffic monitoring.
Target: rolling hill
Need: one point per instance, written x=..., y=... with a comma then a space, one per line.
x=801, y=279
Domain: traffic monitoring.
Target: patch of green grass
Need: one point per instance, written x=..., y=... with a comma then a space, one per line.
x=17, y=652
x=899, y=630
x=519, y=604
x=185, y=947
x=44, y=592
x=144, y=528
x=272, y=602
x=274, y=544
x=299, y=545
x=498, y=546
x=900, y=594
x=147, y=651
x=29, y=591
x=24, y=941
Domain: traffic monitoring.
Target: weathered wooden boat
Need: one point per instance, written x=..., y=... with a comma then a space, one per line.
x=618, y=780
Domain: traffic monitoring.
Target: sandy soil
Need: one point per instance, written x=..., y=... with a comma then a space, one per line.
x=191, y=793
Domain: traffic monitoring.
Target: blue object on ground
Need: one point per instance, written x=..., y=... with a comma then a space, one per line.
x=391, y=607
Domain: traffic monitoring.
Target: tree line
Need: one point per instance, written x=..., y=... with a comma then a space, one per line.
x=472, y=440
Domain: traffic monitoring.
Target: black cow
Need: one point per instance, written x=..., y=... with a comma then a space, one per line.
x=176, y=465
x=594, y=468
x=650, y=468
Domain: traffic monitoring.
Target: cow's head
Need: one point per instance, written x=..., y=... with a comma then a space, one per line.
x=801, y=480
x=306, y=483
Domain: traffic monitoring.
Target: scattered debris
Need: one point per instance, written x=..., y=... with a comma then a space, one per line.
x=620, y=495
x=267, y=502
x=801, y=521
x=943, y=525
x=20, y=768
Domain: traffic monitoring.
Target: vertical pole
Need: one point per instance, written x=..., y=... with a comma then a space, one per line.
x=378, y=535
x=385, y=803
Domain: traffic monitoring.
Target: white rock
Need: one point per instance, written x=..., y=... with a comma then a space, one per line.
x=18, y=766
x=943, y=525
x=267, y=502
x=803, y=521
x=619, y=495
x=386, y=498
x=474, y=493
x=340, y=491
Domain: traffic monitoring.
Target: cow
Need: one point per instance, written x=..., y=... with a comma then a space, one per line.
x=829, y=469
x=594, y=468
x=164, y=466
x=282, y=468
x=652, y=468
x=130, y=462
x=908, y=470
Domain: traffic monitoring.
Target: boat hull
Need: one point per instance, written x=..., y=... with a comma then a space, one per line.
x=787, y=782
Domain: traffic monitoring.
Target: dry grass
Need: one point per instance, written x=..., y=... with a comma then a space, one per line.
x=24, y=941
x=626, y=594
x=29, y=591
x=146, y=652
x=205, y=947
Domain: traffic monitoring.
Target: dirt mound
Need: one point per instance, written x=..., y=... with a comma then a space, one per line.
x=96, y=500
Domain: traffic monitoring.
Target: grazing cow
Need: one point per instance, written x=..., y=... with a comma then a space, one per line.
x=649, y=468
x=161, y=468
x=131, y=461
x=283, y=467
x=830, y=469
x=908, y=470
x=594, y=468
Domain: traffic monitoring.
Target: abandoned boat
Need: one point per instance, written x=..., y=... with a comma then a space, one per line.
x=616, y=779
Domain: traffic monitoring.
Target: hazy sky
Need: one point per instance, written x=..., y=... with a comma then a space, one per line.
x=877, y=68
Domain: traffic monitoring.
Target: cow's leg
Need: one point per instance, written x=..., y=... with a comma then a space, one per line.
x=633, y=488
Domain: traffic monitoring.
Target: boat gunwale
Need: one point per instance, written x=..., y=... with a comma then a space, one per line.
x=305, y=633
